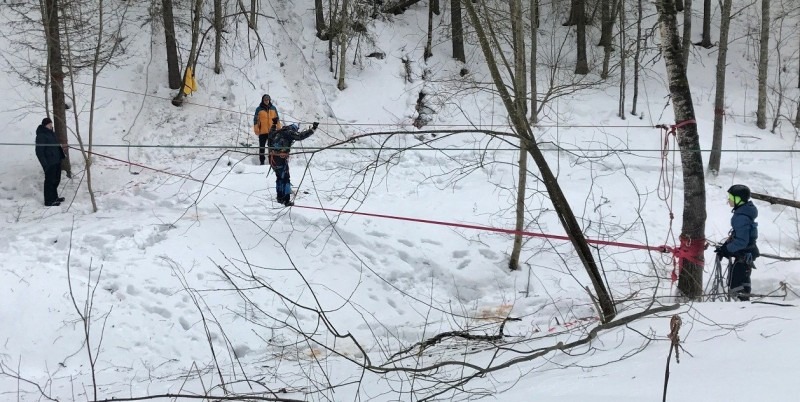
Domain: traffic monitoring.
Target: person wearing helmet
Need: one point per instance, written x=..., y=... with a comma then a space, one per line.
x=280, y=145
x=265, y=113
x=741, y=243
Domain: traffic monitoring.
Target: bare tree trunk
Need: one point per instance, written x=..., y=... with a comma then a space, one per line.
x=218, y=36
x=582, y=65
x=606, y=23
x=534, y=63
x=637, y=62
x=679, y=5
x=457, y=31
x=435, y=7
x=520, y=100
x=573, y=14
x=344, y=18
x=706, y=41
x=428, y=52
x=197, y=12
x=687, y=33
x=55, y=61
x=173, y=69
x=690, y=283
x=560, y=203
x=763, y=65
x=622, y=58
x=253, y=14
x=322, y=31
x=719, y=98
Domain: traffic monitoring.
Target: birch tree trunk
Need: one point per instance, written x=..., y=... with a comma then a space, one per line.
x=457, y=31
x=521, y=102
x=687, y=33
x=561, y=205
x=56, y=63
x=763, y=65
x=719, y=98
x=173, y=69
x=693, y=226
x=196, y=12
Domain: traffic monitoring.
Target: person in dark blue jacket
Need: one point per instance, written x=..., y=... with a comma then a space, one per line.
x=741, y=243
x=50, y=155
x=280, y=145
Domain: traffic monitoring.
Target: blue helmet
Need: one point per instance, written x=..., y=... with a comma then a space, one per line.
x=294, y=127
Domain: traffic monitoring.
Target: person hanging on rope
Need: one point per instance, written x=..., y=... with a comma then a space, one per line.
x=280, y=145
x=741, y=243
x=265, y=113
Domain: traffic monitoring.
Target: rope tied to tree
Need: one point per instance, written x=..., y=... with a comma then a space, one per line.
x=689, y=250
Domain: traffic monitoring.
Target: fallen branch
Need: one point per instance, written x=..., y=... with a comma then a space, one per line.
x=775, y=200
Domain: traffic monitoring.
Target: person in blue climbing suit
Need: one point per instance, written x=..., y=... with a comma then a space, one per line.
x=741, y=243
x=280, y=145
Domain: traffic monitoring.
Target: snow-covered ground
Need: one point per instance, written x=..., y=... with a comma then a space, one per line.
x=197, y=282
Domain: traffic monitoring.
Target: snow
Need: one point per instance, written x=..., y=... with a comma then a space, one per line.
x=159, y=261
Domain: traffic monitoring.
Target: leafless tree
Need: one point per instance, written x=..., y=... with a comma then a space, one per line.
x=763, y=66
x=706, y=40
x=719, y=98
x=173, y=69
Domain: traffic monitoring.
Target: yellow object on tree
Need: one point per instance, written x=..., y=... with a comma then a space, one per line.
x=189, y=84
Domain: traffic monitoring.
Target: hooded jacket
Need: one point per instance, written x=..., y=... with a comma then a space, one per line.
x=48, y=149
x=744, y=229
x=262, y=121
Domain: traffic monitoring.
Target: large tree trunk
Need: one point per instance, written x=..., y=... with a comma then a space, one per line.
x=690, y=283
x=521, y=103
x=763, y=64
x=606, y=29
x=56, y=63
x=719, y=98
x=173, y=69
x=322, y=31
x=582, y=65
x=218, y=35
x=435, y=7
x=637, y=58
x=687, y=33
x=706, y=41
x=573, y=14
x=457, y=31
x=534, y=64
x=560, y=203
x=679, y=5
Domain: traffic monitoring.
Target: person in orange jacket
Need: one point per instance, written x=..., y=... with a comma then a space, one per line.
x=265, y=114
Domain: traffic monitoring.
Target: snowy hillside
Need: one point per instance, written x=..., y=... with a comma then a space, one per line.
x=192, y=280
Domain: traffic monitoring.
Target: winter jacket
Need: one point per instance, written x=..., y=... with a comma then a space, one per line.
x=262, y=120
x=48, y=149
x=744, y=230
x=280, y=142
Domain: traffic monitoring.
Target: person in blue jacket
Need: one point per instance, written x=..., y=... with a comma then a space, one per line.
x=280, y=145
x=741, y=243
x=50, y=155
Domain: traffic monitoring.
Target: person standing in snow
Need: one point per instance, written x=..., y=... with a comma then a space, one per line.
x=280, y=144
x=265, y=113
x=741, y=243
x=50, y=155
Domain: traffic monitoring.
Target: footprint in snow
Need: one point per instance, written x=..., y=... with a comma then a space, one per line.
x=488, y=253
x=460, y=253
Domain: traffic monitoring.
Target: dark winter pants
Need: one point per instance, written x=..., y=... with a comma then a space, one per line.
x=52, y=178
x=739, y=279
x=262, y=143
x=283, y=185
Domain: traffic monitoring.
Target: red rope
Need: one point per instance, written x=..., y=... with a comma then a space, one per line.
x=662, y=249
x=690, y=250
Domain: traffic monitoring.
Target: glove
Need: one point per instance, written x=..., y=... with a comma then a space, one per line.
x=274, y=120
x=722, y=252
x=314, y=125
